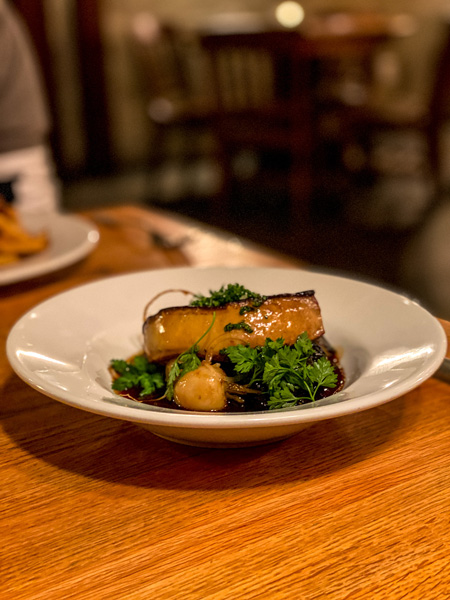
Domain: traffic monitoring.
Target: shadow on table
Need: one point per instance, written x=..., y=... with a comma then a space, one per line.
x=122, y=453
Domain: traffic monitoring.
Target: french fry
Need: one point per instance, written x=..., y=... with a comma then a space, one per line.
x=15, y=241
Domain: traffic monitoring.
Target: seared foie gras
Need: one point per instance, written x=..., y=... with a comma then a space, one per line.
x=171, y=331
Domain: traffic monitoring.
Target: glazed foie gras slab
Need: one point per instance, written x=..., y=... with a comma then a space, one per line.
x=173, y=330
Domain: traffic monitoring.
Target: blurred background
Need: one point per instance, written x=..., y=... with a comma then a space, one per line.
x=340, y=156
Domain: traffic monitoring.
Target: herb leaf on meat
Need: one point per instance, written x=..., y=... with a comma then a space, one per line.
x=233, y=292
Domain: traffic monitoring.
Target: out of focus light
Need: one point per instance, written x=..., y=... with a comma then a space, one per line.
x=93, y=237
x=289, y=14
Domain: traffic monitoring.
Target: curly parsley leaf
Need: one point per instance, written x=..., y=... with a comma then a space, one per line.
x=138, y=373
x=283, y=397
x=187, y=361
x=321, y=373
x=243, y=358
x=304, y=345
x=290, y=375
x=233, y=292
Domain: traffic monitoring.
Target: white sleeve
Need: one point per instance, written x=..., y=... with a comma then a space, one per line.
x=34, y=184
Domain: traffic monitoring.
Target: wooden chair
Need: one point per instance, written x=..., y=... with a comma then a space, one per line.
x=263, y=100
x=426, y=115
x=173, y=83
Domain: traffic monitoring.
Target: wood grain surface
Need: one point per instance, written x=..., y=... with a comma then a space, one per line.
x=95, y=508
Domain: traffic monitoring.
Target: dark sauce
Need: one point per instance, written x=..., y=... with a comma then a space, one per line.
x=250, y=402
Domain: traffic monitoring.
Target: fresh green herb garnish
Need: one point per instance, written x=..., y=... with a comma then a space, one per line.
x=289, y=374
x=137, y=373
x=230, y=293
x=246, y=309
x=241, y=325
x=185, y=362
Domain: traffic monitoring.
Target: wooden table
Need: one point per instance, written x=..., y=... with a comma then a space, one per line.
x=91, y=507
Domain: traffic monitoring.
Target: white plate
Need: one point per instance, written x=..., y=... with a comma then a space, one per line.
x=71, y=238
x=62, y=348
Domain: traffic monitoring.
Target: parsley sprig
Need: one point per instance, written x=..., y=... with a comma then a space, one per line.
x=290, y=375
x=233, y=292
x=185, y=362
x=138, y=373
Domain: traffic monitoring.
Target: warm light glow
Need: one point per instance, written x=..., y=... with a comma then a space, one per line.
x=93, y=236
x=289, y=14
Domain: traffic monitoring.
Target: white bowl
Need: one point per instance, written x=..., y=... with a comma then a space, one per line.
x=389, y=345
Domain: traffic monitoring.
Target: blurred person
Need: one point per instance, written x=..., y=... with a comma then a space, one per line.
x=27, y=175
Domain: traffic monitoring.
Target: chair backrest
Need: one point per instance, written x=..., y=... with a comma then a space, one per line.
x=250, y=70
x=168, y=62
x=154, y=45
